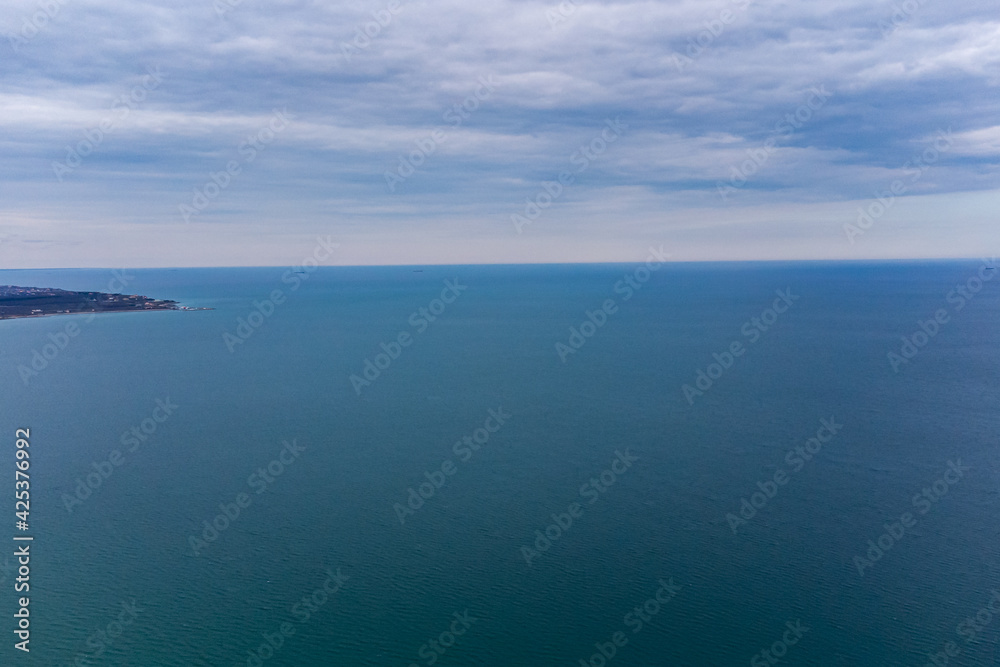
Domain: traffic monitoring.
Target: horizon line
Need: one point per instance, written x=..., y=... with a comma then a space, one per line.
x=877, y=260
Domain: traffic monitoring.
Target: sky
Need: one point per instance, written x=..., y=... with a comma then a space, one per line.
x=240, y=133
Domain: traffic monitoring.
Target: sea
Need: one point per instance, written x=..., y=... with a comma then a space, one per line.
x=696, y=464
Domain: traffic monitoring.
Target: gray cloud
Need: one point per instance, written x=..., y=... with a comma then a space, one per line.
x=895, y=79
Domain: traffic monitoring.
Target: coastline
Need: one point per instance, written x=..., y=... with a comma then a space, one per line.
x=4, y=318
x=18, y=302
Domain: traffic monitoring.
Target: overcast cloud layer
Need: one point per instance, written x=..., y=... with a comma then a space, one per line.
x=721, y=129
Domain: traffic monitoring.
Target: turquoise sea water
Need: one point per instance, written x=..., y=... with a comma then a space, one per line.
x=330, y=505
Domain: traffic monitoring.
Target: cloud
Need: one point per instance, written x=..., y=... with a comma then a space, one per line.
x=365, y=85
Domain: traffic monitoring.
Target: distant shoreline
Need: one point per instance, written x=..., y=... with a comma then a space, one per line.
x=23, y=302
x=99, y=312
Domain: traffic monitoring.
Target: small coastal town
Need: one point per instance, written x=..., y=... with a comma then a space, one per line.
x=16, y=302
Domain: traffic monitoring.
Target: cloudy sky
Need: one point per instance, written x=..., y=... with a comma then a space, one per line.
x=236, y=133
